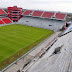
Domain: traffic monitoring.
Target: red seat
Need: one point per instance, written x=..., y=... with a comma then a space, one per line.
x=60, y=16
x=27, y=12
x=6, y=20
x=37, y=13
x=1, y=22
x=2, y=11
x=48, y=14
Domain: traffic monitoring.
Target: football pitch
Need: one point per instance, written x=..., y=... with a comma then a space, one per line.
x=14, y=38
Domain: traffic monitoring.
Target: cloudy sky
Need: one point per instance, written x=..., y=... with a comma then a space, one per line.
x=51, y=5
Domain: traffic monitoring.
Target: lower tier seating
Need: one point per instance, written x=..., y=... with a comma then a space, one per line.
x=6, y=20
x=1, y=22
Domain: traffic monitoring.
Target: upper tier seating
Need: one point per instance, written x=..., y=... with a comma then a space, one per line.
x=27, y=12
x=1, y=22
x=48, y=14
x=6, y=20
x=37, y=13
x=2, y=12
x=45, y=14
x=60, y=16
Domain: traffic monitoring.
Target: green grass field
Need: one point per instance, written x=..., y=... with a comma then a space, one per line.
x=14, y=38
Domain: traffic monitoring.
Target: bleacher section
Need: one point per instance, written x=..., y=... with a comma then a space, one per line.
x=60, y=16
x=3, y=18
x=2, y=12
x=48, y=14
x=54, y=25
x=27, y=12
x=37, y=13
x=6, y=20
x=1, y=22
x=61, y=61
x=45, y=14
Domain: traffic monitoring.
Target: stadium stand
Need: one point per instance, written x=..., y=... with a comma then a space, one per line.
x=60, y=16
x=6, y=20
x=54, y=25
x=37, y=13
x=59, y=62
x=2, y=12
x=52, y=61
x=1, y=22
x=48, y=14
x=27, y=12
x=45, y=14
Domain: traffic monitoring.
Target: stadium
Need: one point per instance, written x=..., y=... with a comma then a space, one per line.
x=35, y=40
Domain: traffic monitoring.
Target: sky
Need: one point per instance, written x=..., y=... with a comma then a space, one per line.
x=49, y=5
